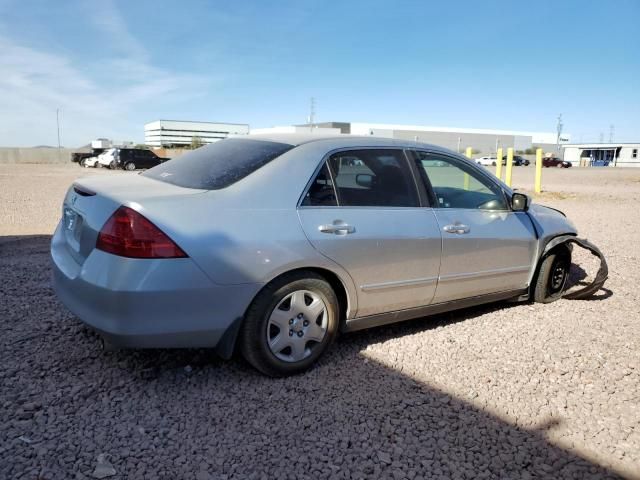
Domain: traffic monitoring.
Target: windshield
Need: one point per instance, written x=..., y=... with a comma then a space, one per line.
x=218, y=165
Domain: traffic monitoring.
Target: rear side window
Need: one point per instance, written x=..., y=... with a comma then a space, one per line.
x=218, y=165
x=321, y=192
x=373, y=178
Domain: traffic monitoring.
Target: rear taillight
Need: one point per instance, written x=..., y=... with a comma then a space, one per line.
x=128, y=234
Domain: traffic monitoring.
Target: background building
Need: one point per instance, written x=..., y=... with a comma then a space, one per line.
x=170, y=133
x=325, y=130
x=458, y=139
x=615, y=154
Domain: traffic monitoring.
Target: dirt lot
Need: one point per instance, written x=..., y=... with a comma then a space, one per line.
x=502, y=391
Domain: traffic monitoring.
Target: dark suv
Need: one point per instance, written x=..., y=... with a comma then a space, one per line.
x=133, y=158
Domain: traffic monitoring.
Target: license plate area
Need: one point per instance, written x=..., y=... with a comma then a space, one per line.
x=72, y=225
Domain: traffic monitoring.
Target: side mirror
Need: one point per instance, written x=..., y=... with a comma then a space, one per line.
x=364, y=180
x=520, y=202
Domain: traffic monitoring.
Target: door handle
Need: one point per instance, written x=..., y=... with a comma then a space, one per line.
x=337, y=228
x=457, y=228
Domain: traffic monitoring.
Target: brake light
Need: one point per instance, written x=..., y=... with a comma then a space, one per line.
x=129, y=234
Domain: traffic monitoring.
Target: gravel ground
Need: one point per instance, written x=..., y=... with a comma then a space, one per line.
x=501, y=391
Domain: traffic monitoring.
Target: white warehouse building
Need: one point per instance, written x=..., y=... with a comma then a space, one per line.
x=457, y=139
x=169, y=133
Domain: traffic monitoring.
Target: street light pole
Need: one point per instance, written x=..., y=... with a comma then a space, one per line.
x=58, y=126
x=559, y=128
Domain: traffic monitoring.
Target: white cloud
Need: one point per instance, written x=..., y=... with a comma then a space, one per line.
x=35, y=82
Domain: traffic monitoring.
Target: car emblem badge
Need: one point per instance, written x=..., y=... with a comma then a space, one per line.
x=69, y=218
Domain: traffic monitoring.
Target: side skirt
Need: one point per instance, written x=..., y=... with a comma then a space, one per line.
x=401, y=315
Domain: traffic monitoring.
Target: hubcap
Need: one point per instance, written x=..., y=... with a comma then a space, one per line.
x=297, y=325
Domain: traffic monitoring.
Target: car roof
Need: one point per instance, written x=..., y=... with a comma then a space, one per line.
x=341, y=140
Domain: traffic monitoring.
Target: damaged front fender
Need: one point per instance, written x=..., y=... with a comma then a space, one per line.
x=603, y=271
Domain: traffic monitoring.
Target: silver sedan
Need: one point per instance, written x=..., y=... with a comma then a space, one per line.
x=275, y=244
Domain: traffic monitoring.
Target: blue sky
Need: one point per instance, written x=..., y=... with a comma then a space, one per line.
x=111, y=66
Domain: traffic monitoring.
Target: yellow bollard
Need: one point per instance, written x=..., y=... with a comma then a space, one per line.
x=538, y=186
x=507, y=174
x=469, y=153
x=499, y=164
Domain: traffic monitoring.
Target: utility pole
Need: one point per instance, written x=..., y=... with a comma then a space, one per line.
x=601, y=137
x=58, y=126
x=459, y=141
x=559, y=130
x=612, y=130
x=312, y=113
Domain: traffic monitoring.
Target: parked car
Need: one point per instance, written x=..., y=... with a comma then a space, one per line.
x=518, y=161
x=135, y=158
x=79, y=157
x=555, y=162
x=93, y=162
x=127, y=158
x=274, y=244
x=486, y=161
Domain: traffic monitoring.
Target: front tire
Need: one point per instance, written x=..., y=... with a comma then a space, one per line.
x=290, y=324
x=130, y=166
x=552, y=277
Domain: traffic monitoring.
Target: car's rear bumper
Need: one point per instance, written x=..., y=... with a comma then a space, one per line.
x=142, y=303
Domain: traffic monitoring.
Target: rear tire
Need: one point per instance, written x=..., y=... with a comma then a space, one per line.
x=552, y=276
x=290, y=324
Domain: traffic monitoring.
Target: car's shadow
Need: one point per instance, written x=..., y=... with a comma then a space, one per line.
x=174, y=413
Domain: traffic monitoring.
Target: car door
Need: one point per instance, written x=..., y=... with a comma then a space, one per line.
x=486, y=247
x=142, y=158
x=363, y=211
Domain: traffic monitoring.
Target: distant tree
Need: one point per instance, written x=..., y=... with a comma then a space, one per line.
x=142, y=146
x=196, y=142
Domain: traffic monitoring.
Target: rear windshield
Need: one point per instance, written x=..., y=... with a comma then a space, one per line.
x=218, y=165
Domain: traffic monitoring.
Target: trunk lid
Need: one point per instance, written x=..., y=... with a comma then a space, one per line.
x=90, y=202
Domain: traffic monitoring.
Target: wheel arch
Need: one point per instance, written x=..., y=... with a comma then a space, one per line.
x=346, y=305
x=558, y=242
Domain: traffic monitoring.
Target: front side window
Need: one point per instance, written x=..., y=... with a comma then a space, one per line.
x=219, y=164
x=457, y=185
x=634, y=153
x=373, y=178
